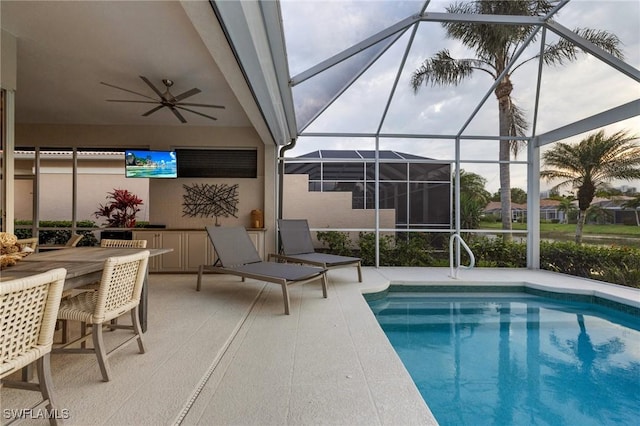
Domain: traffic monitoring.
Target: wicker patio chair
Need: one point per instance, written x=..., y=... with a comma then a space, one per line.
x=32, y=243
x=28, y=311
x=73, y=241
x=108, y=243
x=118, y=293
x=123, y=243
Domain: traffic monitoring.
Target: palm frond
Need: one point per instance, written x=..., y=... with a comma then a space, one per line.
x=593, y=162
x=520, y=124
x=517, y=126
x=565, y=51
x=442, y=69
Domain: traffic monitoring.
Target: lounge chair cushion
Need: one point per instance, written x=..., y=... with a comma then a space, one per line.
x=296, y=238
x=279, y=270
x=326, y=259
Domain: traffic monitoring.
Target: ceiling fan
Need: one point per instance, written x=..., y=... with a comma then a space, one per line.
x=166, y=99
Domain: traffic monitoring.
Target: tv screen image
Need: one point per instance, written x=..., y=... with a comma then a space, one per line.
x=150, y=164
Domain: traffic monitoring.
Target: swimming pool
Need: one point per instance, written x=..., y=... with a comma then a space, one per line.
x=516, y=358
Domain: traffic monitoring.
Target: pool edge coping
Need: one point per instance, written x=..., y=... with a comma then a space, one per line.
x=592, y=295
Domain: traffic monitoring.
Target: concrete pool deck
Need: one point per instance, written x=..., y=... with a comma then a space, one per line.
x=229, y=356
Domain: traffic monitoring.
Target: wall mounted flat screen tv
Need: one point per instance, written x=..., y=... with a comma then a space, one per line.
x=150, y=164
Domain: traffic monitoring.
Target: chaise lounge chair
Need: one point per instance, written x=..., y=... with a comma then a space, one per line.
x=297, y=247
x=238, y=256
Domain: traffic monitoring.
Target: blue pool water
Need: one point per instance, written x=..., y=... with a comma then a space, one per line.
x=516, y=359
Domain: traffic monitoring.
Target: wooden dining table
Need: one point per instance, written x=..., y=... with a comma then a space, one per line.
x=84, y=266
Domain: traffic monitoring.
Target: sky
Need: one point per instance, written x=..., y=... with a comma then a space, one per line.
x=317, y=30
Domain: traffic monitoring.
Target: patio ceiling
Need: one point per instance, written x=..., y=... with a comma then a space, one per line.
x=65, y=49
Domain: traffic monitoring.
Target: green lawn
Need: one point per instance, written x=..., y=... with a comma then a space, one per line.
x=570, y=229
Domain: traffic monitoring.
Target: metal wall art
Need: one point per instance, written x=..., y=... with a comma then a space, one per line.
x=205, y=200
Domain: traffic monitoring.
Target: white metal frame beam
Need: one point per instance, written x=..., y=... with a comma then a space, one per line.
x=605, y=118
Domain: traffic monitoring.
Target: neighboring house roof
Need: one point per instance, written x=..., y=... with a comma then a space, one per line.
x=360, y=155
x=615, y=203
x=547, y=203
x=494, y=206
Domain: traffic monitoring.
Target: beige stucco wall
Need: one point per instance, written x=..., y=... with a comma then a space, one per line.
x=164, y=202
x=95, y=180
x=328, y=209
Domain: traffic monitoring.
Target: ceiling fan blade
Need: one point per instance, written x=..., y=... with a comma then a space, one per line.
x=135, y=102
x=126, y=90
x=201, y=105
x=195, y=112
x=151, y=111
x=186, y=94
x=157, y=92
x=177, y=113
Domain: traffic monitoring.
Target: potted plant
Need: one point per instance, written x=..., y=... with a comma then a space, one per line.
x=120, y=212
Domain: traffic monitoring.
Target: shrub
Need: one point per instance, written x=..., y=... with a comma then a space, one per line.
x=617, y=265
x=337, y=242
x=367, y=243
x=495, y=252
x=626, y=273
x=121, y=210
x=58, y=236
x=411, y=249
x=406, y=249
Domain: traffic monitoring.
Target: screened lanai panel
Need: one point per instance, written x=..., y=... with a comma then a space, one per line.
x=581, y=89
x=588, y=86
x=437, y=149
x=331, y=27
x=433, y=109
x=315, y=94
x=491, y=173
x=621, y=18
x=313, y=170
x=429, y=172
x=489, y=149
x=631, y=126
x=360, y=108
x=429, y=205
x=523, y=76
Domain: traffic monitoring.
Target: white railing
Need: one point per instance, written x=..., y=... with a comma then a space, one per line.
x=454, y=261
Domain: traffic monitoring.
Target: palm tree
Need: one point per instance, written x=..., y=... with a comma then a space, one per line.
x=633, y=204
x=495, y=47
x=566, y=206
x=591, y=164
x=472, y=184
x=473, y=199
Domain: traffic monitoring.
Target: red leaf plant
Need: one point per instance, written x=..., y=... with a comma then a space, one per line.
x=121, y=210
